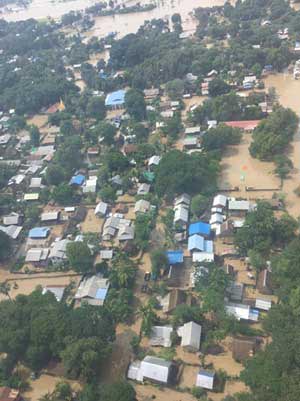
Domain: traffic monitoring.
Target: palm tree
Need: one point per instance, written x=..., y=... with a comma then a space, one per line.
x=5, y=288
x=148, y=318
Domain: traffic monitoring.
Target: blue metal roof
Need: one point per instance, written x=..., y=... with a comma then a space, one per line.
x=101, y=293
x=208, y=246
x=199, y=228
x=115, y=98
x=175, y=257
x=196, y=242
x=39, y=232
x=77, y=179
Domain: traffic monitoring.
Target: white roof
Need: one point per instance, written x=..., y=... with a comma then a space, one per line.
x=56, y=290
x=12, y=231
x=4, y=139
x=220, y=200
x=239, y=205
x=154, y=160
x=182, y=199
x=161, y=336
x=216, y=218
x=90, y=185
x=11, y=219
x=181, y=213
x=37, y=254
x=192, y=130
x=262, y=303
x=155, y=369
x=93, y=289
x=48, y=216
x=190, y=334
x=58, y=249
x=35, y=182
x=106, y=253
x=142, y=206
x=205, y=379
x=135, y=372
x=143, y=189
x=125, y=233
x=203, y=257
x=31, y=197
x=101, y=208
x=16, y=179
x=240, y=311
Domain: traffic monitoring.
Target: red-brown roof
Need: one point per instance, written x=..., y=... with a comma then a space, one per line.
x=249, y=125
x=8, y=394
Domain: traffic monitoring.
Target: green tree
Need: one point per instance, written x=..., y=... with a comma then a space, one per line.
x=34, y=135
x=54, y=174
x=220, y=137
x=159, y=261
x=218, y=87
x=149, y=318
x=96, y=108
x=5, y=288
x=135, y=104
x=80, y=256
x=175, y=89
x=5, y=246
x=199, y=205
x=63, y=194
x=118, y=391
x=106, y=132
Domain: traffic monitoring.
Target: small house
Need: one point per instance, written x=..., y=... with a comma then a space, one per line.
x=92, y=290
x=35, y=183
x=161, y=336
x=12, y=231
x=50, y=217
x=37, y=256
x=106, y=254
x=142, y=206
x=126, y=233
x=181, y=216
x=263, y=304
x=56, y=290
x=39, y=232
x=77, y=180
x=90, y=185
x=238, y=207
x=58, y=251
x=115, y=100
x=183, y=199
x=13, y=219
x=156, y=369
x=101, y=209
x=174, y=298
x=220, y=201
x=143, y=189
x=201, y=228
x=242, y=312
x=205, y=379
x=196, y=243
x=190, y=334
x=154, y=161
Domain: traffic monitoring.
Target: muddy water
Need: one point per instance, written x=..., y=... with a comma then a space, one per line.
x=288, y=90
x=123, y=24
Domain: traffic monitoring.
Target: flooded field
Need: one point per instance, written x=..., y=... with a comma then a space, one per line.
x=239, y=169
x=123, y=23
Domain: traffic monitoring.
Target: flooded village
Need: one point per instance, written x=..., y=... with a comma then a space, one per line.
x=142, y=226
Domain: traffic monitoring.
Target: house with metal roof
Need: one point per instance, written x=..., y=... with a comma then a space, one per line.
x=196, y=243
x=56, y=290
x=12, y=231
x=143, y=189
x=220, y=201
x=181, y=215
x=58, y=251
x=115, y=100
x=90, y=185
x=238, y=205
x=101, y=209
x=13, y=219
x=35, y=183
x=175, y=257
x=77, y=179
x=37, y=256
x=200, y=228
x=154, y=160
x=190, y=334
x=183, y=199
x=263, y=304
x=125, y=233
x=242, y=312
x=161, y=336
x=156, y=369
x=39, y=232
x=142, y=206
x=106, y=254
x=92, y=290
x=205, y=379
x=50, y=216
x=31, y=197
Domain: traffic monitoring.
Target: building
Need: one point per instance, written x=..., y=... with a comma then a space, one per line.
x=9, y=394
x=50, y=217
x=77, y=180
x=142, y=206
x=183, y=199
x=175, y=257
x=39, y=232
x=243, y=348
x=238, y=206
x=263, y=304
x=12, y=231
x=181, y=215
x=249, y=125
x=156, y=369
x=90, y=186
x=92, y=290
x=152, y=93
x=190, y=334
x=56, y=290
x=242, y=312
x=37, y=256
x=35, y=183
x=101, y=209
x=174, y=298
x=126, y=233
x=154, y=161
x=192, y=130
x=115, y=100
x=220, y=201
x=143, y=189
x=205, y=379
x=196, y=243
x=161, y=336
x=31, y=197
x=58, y=251
x=13, y=219
x=200, y=228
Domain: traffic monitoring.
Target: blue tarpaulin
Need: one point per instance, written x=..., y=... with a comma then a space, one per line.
x=175, y=257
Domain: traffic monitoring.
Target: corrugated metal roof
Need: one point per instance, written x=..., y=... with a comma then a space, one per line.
x=199, y=228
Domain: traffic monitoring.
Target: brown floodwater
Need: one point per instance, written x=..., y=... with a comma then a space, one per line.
x=123, y=23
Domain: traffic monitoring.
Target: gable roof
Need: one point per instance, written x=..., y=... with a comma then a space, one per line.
x=94, y=289
x=196, y=242
x=249, y=125
x=77, y=179
x=161, y=336
x=116, y=98
x=11, y=219
x=190, y=334
x=199, y=228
